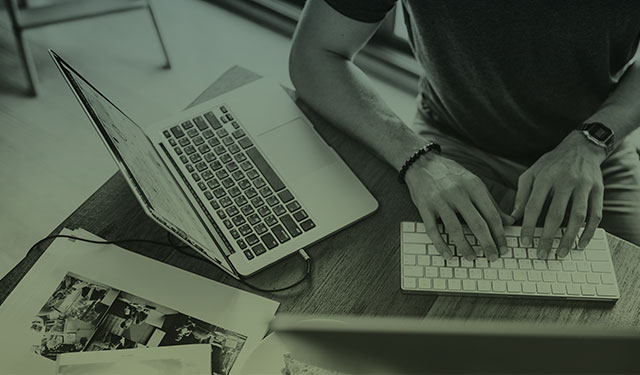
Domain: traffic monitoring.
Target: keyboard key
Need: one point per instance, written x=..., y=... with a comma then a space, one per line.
x=192, y=133
x=271, y=220
x=214, y=142
x=234, y=149
x=269, y=241
x=484, y=286
x=499, y=286
x=608, y=279
x=423, y=260
x=475, y=273
x=446, y=272
x=439, y=284
x=409, y=282
x=238, y=133
x=514, y=287
x=291, y=226
x=601, y=267
x=285, y=196
x=241, y=243
x=490, y=274
x=177, y=132
x=268, y=173
x=279, y=210
x=469, y=285
x=528, y=287
x=280, y=233
x=264, y=211
x=250, y=193
x=248, y=254
x=588, y=290
x=238, y=220
x=258, y=183
x=593, y=278
x=213, y=183
x=253, y=219
x=431, y=272
x=265, y=192
x=505, y=275
x=234, y=233
x=460, y=273
x=257, y=202
x=245, y=142
x=596, y=256
x=307, y=225
x=436, y=260
x=259, y=249
x=549, y=277
x=543, y=288
x=573, y=290
x=558, y=289
x=247, y=210
x=534, y=276
x=454, y=284
x=413, y=271
x=245, y=230
x=424, y=283
x=482, y=263
x=207, y=133
x=252, y=239
x=409, y=260
x=407, y=226
x=417, y=249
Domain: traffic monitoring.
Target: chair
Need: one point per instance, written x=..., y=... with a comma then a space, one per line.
x=24, y=18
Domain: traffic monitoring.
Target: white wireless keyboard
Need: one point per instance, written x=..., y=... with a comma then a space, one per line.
x=583, y=274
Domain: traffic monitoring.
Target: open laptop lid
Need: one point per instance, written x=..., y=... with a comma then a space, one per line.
x=374, y=345
x=145, y=172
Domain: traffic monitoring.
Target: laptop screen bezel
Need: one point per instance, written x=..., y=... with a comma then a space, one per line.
x=147, y=207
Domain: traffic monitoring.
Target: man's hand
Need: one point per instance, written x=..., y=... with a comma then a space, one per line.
x=440, y=187
x=570, y=176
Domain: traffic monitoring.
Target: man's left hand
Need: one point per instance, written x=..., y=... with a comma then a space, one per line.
x=571, y=178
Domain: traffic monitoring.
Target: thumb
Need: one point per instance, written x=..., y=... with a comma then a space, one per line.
x=507, y=219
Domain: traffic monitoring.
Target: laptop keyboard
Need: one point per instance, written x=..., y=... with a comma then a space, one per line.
x=246, y=194
x=582, y=274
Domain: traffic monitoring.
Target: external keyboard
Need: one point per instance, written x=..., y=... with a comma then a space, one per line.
x=582, y=274
x=254, y=204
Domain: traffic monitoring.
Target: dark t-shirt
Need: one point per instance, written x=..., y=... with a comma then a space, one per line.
x=513, y=77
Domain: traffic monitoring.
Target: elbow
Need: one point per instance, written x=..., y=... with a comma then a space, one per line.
x=303, y=71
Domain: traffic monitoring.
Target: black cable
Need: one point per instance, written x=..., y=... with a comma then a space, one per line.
x=179, y=249
x=298, y=282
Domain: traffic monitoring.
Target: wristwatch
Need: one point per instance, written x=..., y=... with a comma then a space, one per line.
x=599, y=134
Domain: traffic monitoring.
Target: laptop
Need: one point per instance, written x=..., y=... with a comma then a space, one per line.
x=368, y=345
x=244, y=179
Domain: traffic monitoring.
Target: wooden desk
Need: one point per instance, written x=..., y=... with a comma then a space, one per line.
x=356, y=271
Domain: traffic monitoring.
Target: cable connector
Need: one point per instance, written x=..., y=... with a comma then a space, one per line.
x=304, y=254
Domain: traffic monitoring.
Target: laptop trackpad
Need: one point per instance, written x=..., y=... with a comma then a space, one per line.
x=295, y=149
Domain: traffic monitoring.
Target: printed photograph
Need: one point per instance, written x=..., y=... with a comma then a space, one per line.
x=71, y=315
x=82, y=315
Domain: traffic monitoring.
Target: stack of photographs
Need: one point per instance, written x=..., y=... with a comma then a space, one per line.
x=84, y=315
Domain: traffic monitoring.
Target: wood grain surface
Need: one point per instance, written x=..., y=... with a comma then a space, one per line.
x=356, y=271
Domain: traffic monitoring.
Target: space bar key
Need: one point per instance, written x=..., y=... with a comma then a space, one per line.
x=264, y=167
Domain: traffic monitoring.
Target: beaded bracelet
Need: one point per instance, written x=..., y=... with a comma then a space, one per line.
x=412, y=159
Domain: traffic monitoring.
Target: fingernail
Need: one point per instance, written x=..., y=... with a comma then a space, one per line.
x=542, y=254
x=503, y=250
x=562, y=252
x=526, y=241
x=470, y=257
x=492, y=257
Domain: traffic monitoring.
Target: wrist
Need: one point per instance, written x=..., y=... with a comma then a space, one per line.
x=586, y=147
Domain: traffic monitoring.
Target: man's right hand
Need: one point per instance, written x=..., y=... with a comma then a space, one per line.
x=442, y=188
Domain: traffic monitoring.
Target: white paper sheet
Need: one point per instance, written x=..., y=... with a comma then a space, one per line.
x=192, y=359
x=81, y=296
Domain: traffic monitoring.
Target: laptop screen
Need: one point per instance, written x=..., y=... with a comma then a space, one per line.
x=141, y=164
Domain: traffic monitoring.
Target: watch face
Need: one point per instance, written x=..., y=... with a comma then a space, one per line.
x=599, y=132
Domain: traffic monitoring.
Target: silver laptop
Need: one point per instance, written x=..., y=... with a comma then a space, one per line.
x=368, y=345
x=244, y=178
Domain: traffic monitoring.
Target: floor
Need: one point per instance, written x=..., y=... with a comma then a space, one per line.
x=51, y=159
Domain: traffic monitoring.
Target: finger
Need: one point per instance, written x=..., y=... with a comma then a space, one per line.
x=552, y=221
x=485, y=204
x=434, y=234
x=576, y=220
x=595, y=215
x=525, y=184
x=479, y=227
x=532, y=211
x=454, y=228
x=506, y=219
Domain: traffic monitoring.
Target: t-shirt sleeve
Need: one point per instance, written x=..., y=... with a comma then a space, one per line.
x=370, y=11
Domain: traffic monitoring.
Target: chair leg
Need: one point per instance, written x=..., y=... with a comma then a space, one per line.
x=155, y=25
x=28, y=64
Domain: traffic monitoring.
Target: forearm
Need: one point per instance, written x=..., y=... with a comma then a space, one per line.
x=621, y=111
x=337, y=89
